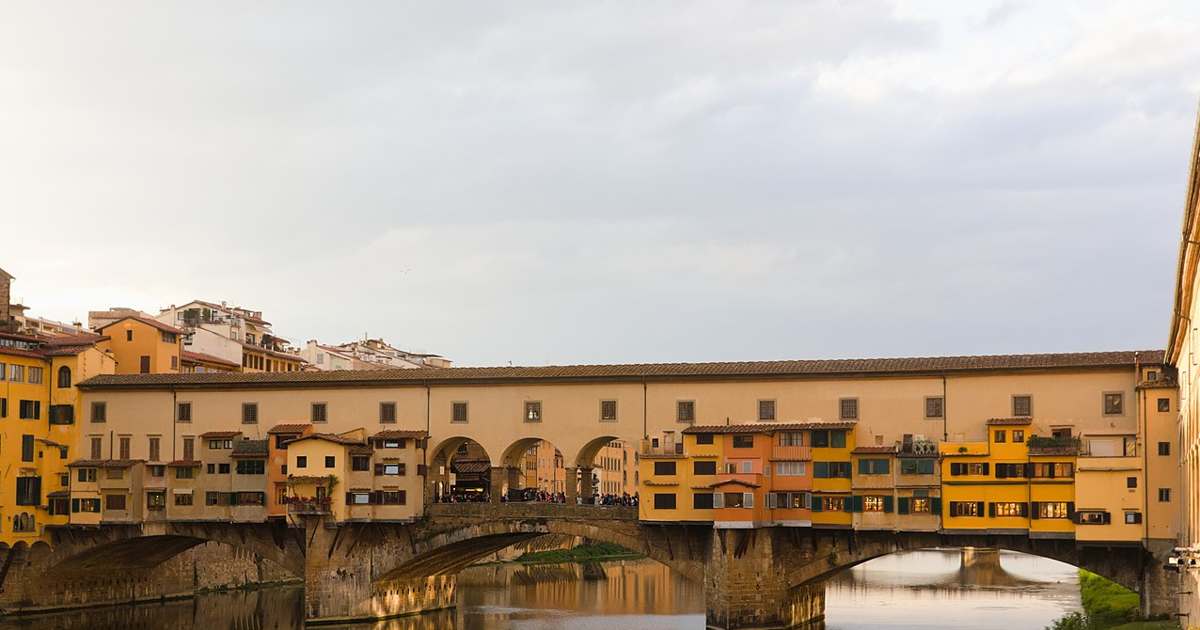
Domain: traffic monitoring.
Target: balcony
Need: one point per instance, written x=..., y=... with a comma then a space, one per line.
x=1054, y=445
x=305, y=505
x=667, y=450
x=791, y=453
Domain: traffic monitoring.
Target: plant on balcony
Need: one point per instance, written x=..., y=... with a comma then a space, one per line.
x=962, y=449
x=1055, y=444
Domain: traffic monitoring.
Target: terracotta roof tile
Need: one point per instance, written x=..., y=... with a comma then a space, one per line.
x=395, y=434
x=873, y=449
x=766, y=427
x=249, y=448
x=149, y=321
x=1016, y=422
x=220, y=434
x=645, y=371
x=200, y=357
x=184, y=463
x=104, y=463
x=289, y=428
x=328, y=437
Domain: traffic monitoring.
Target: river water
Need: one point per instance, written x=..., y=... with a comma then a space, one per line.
x=922, y=590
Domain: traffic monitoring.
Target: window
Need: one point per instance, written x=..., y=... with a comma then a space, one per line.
x=16, y=373
x=832, y=504
x=29, y=490
x=766, y=410
x=251, y=467
x=221, y=444
x=1051, y=509
x=1018, y=436
x=829, y=438
x=86, y=475
x=1131, y=482
x=157, y=471
x=330, y=461
x=1061, y=432
x=1114, y=404
x=935, y=407
x=3, y=401
x=848, y=409
x=360, y=463
x=26, y=448
x=533, y=411
x=183, y=412
x=35, y=375
x=999, y=437
x=1133, y=518
x=831, y=470
x=144, y=364
x=392, y=470
x=1164, y=495
x=183, y=499
x=704, y=438
x=1164, y=448
x=737, y=500
x=1093, y=517
x=97, y=448
x=1164, y=405
x=966, y=508
x=743, y=441
x=789, y=469
x=873, y=467
x=975, y=468
x=114, y=502
x=62, y=414
x=123, y=447
x=1009, y=509
x=156, y=500
x=64, y=377
x=360, y=498
x=155, y=449
x=189, y=448
x=128, y=335
x=458, y=412
x=1022, y=406
x=608, y=411
x=1010, y=471
x=873, y=504
x=301, y=461
x=791, y=438
x=249, y=413
x=664, y=468
x=664, y=501
x=702, y=501
x=704, y=467
x=185, y=472
x=397, y=497
x=387, y=413
x=916, y=466
x=30, y=409
x=685, y=411
x=114, y=473
x=85, y=505
x=319, y=413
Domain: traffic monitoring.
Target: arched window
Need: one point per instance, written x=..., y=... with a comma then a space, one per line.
x=64, y=376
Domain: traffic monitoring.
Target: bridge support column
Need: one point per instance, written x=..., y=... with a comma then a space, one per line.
x=745, y=584
x=586, y=485
x=497, y=479
x=571, y=484
x=1158, y=587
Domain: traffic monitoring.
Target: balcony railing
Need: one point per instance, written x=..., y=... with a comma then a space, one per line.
x=669, y=449
x=1054, y=445
x=303, y=505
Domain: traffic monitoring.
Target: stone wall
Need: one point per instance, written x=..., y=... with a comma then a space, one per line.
x=29, y=586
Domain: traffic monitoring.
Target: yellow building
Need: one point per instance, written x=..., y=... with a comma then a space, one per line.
x=143, y=345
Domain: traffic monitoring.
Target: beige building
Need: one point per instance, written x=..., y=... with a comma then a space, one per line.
x=1183, y=352
x=367, y=354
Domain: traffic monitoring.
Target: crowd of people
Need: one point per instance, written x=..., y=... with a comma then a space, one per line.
x=535, y=495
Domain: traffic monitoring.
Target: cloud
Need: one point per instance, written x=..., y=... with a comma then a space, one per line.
x=575, y=182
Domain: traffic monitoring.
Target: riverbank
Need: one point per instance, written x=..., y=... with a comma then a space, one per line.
x=1108, y=606
x=594, y=552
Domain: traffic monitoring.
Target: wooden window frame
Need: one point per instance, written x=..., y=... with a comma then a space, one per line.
x=774, y=409
x=941, y=407
x=1104, y=404
x=1013, y=406
x=842, y=408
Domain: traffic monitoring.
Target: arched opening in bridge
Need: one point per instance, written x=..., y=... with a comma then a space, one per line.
x=460, y=471
x=535, y=470
x=608, y=473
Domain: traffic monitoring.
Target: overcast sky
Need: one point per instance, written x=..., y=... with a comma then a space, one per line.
x=599, y=182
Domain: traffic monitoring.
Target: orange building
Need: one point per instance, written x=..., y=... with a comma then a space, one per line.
x=143, y=345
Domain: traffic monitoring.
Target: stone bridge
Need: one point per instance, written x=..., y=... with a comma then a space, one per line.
x=766, y=577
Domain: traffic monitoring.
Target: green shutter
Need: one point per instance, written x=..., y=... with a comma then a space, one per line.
x=935, y=505
x=1071, y=511
x=887, y=503
x=979, y=508
x=864, y=466
x=821, y=470
x=837, y=439
x=857, y=503
x=816, y=503
x=925, y=466
x=1033, y=510
x=902, y=508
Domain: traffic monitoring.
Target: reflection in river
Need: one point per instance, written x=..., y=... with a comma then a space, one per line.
x=910, y=591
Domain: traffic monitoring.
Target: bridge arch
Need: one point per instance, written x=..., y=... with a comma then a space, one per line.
x=459, y=466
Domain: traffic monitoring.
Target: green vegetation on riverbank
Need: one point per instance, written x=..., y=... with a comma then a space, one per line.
x=1107, y=606
x=583, y=553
